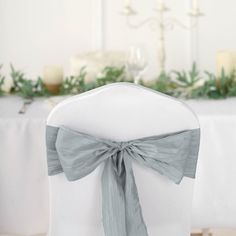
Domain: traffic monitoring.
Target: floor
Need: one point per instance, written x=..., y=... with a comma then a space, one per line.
x=225, y=232
x=195, y=233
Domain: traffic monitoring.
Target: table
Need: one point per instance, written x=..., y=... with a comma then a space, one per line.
x=23, y=171
x=214, y=203
x=24, y=191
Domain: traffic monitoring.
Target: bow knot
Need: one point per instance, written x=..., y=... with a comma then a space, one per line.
x=122, y=145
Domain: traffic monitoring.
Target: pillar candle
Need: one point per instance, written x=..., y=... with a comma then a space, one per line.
x=127, y=3
x=53, y=74
x=53, y=78
x=226, y=60
x=234, y=58
x=195, y=5
x=160, y=3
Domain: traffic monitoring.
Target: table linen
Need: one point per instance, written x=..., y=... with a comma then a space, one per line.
x=23, y=170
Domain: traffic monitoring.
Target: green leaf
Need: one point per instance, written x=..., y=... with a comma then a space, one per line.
x=27, y=88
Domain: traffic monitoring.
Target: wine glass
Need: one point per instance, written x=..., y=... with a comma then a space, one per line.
x=136, y=62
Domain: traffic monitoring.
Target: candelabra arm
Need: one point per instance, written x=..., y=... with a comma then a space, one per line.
x=171, y=22
x=150, y=20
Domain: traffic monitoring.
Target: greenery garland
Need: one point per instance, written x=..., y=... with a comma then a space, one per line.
x=25, y=87
x=181, y=84
x=77, y=84
x=191, y=85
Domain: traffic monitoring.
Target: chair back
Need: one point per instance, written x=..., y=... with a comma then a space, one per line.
x=121, y=112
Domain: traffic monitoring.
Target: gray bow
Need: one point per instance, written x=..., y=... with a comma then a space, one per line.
x=77, y=154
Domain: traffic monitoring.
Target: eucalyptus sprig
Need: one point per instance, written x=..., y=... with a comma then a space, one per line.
x=74, y=84
x=220, y=87
x=111, y=75
x=187, y=79
x=186, y=82
x=2, y=79
x=25, y=87
x=163, y=84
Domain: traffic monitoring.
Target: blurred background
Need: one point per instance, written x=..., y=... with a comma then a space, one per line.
x=37, y=33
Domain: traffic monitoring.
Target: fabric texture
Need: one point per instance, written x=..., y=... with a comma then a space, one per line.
x=77, y=154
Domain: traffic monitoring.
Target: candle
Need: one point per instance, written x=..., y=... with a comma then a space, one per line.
x=195, y=5
x=53, y=78
x=161, y=5
x=7, y=85
x=127, y=3
x=95, y=62
x=234, y=58
x=226, y=60
x=53, y=74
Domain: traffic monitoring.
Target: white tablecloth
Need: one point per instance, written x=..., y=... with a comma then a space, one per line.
x=23, y=171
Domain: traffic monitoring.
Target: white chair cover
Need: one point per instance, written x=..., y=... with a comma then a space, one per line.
x=75, y=207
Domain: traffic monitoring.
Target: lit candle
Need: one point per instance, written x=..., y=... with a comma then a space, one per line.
x=53, y=78
x=226, y=60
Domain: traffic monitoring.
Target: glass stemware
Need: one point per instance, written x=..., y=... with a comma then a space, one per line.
x=136, y=62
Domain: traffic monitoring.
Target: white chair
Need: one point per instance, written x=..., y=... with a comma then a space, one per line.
x=120, y=112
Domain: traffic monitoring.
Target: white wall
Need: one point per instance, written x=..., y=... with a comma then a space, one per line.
x=39, y=32
x=217, y=31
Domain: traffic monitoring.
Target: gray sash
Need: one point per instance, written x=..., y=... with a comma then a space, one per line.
x=77, y=154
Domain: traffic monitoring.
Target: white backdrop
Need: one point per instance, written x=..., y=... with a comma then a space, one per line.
x=39, y=32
